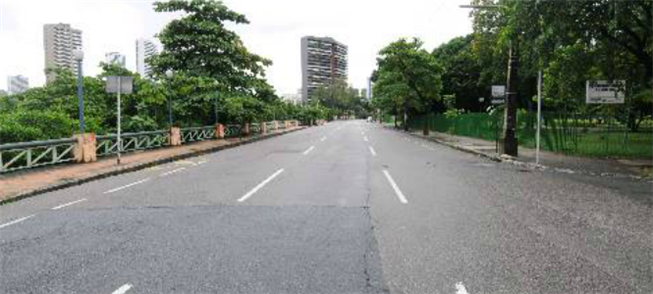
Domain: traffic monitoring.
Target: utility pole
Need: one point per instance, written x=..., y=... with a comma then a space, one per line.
x=508, y=142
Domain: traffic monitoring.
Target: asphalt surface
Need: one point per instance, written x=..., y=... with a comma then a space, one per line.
x=350, y=207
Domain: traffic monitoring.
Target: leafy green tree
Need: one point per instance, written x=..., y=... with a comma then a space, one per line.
x=199, y=44
x=408, y=76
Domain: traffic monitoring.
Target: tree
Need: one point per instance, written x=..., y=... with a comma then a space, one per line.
x=200, y=45
x=409, y=77
x=342, y=99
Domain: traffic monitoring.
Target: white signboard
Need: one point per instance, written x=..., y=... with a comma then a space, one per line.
x=498, y=91
x=498, y=94
x=606, y=92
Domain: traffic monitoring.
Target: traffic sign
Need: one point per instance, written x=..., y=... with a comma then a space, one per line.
x=606, y=92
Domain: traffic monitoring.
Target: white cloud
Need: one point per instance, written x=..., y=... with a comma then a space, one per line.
x=275, y=30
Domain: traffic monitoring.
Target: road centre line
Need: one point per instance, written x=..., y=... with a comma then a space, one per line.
x=372, y=151
x=123, y=289
x=16, y=221
x=126, y=186
x=259, y=186
x=400, y=195
x=309, y=150
x=173, y=171
x=323, y=138
x=366, y=139
x=68, y=204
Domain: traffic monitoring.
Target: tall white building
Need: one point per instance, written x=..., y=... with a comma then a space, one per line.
x=324, y=60
x=59, y=42
x=144, y=49
x=115, y=58
x=17, y=84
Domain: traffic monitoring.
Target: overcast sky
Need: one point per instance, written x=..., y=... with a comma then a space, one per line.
x=275, y=31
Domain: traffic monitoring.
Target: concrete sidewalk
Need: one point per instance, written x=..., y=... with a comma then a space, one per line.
x=631, y=168
x=22, y=184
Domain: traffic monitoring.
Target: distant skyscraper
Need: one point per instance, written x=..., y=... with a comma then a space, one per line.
x=324, y=60
x=115, y=58
x=17, y=84
x=59, y=41
x=144, y=49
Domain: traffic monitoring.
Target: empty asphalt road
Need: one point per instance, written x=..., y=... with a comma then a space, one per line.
x=350, y=207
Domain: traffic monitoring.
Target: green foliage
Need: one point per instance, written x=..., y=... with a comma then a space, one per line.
x=31, y=125
x=342, y=99
x=407, y=78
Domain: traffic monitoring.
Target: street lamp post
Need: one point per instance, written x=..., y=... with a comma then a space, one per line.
x=79, y=57
x=508, y=142
x=169, y=75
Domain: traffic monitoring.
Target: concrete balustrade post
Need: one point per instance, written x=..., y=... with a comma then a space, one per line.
x=246, y=130
x=276, y=124
x=219, y=131
x=85, y=148
x=264, y=128
x=175, y=136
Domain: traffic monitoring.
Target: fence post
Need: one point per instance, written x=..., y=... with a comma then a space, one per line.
x=219, y=131
x=175, y=136
x=85, y=148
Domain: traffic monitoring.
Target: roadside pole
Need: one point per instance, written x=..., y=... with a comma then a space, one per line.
x=539, y=117
x=119, y=85
x=119, y=117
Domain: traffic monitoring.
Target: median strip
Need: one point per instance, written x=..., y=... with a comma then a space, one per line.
x=400, y=195
x=16, y=221
x=259, y=186
x=126, y=186
x=68, y=204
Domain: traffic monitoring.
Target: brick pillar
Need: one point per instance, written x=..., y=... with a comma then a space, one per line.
x=246, y=130
x=264, y=128
x=175, y=136
x=276, y=125
x=219, y=131
x=286, y=123
x=85, y=149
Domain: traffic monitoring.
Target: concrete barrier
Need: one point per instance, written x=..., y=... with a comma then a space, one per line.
x=85, y=149
x=175, y=137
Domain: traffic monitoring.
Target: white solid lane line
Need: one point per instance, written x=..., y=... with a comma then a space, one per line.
x=16, y=221
x=126, y=186
x=202, y=162
x=123, y=289
x=372, y=151
x=365, y=138
x=309, y=150
x=68, y=204
x=400, y=195
x=173, y=171
x=259, y=186
x=323, y=138
x=460, y=288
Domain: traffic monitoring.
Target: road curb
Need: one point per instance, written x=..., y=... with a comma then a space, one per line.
x=141, y=166
x=453, y=146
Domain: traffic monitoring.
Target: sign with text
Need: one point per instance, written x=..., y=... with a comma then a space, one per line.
x=498, y=94
x=125, y=84
x=606, y=92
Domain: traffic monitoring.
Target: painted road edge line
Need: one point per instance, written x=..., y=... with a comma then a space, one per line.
x=68, y=204
x=460, y=288
x=126, y=186
x=400, y=195
x=309, y=150
x=123, y=289
x=16, y=221
x=259, y=186
x=173, y=171
x=372, y=151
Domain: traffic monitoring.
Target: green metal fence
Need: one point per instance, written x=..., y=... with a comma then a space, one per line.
x=584, y=135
